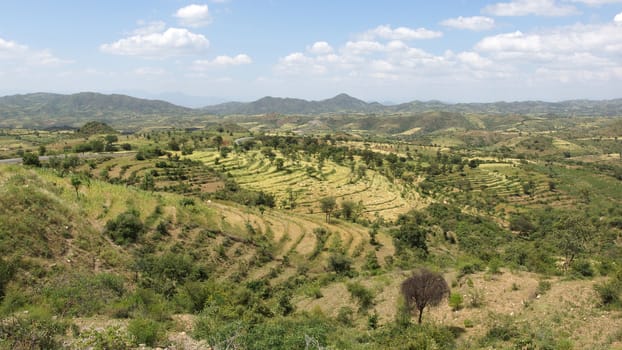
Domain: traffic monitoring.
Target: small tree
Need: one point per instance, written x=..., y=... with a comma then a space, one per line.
x=76, y=182
x=328, y=204
x=424, y=288
x=573, y=234
x=349, y=210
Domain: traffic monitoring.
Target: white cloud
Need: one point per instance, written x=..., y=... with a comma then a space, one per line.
x=400, y=33
x=222, y=61
x=602, y=39
x=363, y=47
x=475, y=23
x=530, y=7
x=618, y=18
x=146, y=28
x=193, y=15
x=320, y=48
x=474, y=59
x=582, y=54
x=172, y=42
x=149, y=71
x=598, y=2
x=11, y=50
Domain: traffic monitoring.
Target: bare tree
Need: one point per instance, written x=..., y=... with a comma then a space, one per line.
x=424, y=288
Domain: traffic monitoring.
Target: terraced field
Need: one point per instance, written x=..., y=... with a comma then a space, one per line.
x=510, y=187
x=378, y=196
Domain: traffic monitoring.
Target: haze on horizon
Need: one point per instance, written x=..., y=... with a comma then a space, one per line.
x=224, y=50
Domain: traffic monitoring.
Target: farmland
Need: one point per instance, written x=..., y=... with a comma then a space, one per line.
x=208, y=235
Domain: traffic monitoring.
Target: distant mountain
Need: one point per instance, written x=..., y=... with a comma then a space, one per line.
x=341, y=103
x=565, y=108
x=45, y=109
x=346, y=104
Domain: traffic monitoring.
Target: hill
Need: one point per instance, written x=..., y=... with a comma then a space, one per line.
x=344, y=103
x=193, y=239
x=341, y=103
x=49, y=111
x=43, y=109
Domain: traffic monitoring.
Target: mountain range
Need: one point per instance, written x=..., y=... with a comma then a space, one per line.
x=39, y=110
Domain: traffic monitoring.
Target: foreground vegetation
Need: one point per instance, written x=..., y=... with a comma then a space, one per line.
x=231, y=238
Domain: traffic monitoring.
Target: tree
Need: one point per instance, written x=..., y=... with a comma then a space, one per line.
x=76, y=182
x=424, y=288
x=572, y=235
x=217, y=141
x=473, y=163
x=328, y=204
x=280, y=164
x=411, y=235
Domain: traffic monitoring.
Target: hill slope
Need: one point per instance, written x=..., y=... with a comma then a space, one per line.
x=339, y=103
x=44, y=109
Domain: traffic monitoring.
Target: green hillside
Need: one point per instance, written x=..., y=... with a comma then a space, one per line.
x=217, y=236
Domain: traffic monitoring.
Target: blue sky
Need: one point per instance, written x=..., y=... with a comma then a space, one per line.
x=392, y=50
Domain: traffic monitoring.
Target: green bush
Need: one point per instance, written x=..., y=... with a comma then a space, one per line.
x=455, y=301
x=126, y=227
x=583, y=268
x=145, y=331
x=110, y=338
x=609, y=293
x=35, y=330
x=83, y=294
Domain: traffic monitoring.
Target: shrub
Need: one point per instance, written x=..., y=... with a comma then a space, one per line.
x=543, y=287
x=125, y=228
x=455, y=301
x=344, y=316
x=583, y=268
x=609, y=293
x=363, y=296
x=35, y=330
x=31, y=159
x=145, y=331
x=83, y=294
x=110, y=338
x=339, y=263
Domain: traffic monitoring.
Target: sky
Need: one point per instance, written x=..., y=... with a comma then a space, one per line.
x=203, y=52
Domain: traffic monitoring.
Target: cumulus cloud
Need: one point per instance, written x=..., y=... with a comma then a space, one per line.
x=618, y=18
x=476, y=23
x=171, y=42
x=320, y=48
x=530, y=7
x=578, y=38
x=11, y=50
x=193, y=15
x=222, y=61
x=578, y=53
x=400, y=33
